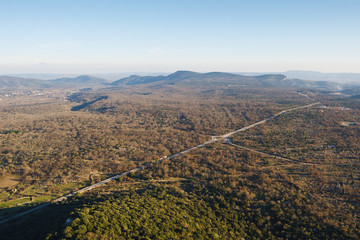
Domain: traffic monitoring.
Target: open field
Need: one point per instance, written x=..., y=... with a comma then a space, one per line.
x=9, y=180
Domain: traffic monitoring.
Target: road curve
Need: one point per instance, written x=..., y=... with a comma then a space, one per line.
x=214, y=139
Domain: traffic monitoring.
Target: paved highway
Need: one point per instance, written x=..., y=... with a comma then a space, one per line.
x=214, y=139
x=267, y=119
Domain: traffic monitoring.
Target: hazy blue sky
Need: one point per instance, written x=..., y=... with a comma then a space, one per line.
x=88, y=36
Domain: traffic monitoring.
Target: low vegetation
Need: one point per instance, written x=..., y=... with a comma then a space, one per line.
x=216, y=192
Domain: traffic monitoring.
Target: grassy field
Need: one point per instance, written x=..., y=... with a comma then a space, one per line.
x=21, y=201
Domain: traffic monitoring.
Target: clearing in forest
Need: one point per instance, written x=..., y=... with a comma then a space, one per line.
x=9, y=180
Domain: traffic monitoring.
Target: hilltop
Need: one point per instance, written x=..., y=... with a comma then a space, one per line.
x=222, y=78
x=181, y=78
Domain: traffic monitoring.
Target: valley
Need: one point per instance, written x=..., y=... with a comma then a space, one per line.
x=155, y=143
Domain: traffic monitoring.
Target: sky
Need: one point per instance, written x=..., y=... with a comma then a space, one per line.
x=101, y=36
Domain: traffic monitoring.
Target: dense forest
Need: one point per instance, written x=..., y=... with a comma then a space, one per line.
x=305, y=185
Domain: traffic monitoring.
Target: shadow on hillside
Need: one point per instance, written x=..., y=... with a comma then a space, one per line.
x=86, y=104
x=38, y=224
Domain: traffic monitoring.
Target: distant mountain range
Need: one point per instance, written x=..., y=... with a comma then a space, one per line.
x=183, y=78
x=301, y=74
x=80, y=81
x=314, y=76
x=219, y=78
x=10, y=82
x=7, y=82
x=213, y=78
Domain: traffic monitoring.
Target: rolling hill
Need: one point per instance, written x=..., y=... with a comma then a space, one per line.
x=220, y=78
x=181, y=78
x=83, y=81
x=8, y=82
x=80, y=81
